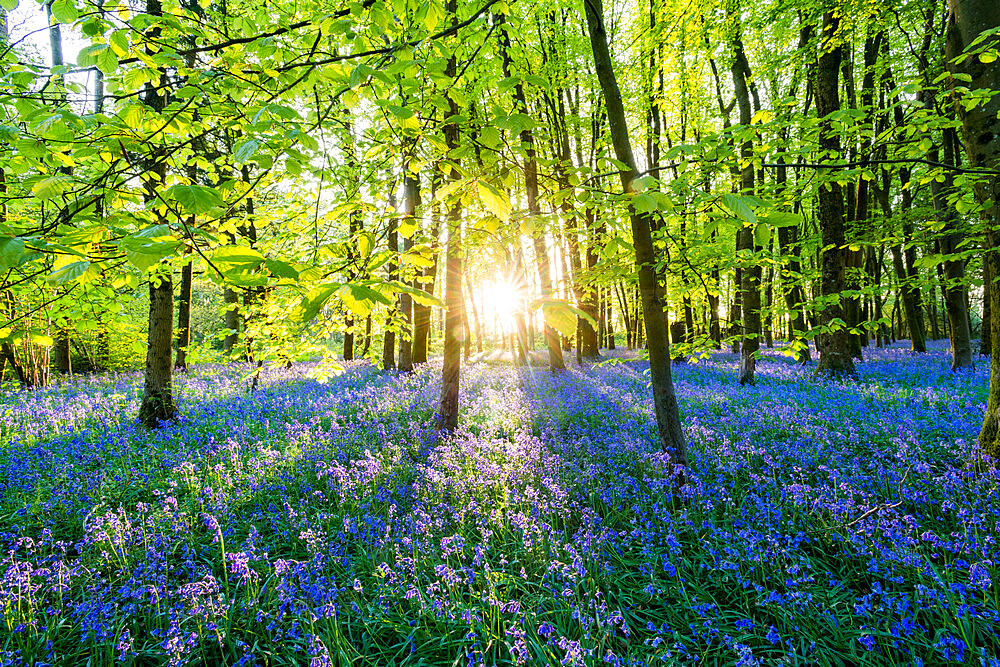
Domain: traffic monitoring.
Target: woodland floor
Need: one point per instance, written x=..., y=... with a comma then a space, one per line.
x=327, y=523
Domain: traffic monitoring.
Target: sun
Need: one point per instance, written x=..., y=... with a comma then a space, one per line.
x=502, y=300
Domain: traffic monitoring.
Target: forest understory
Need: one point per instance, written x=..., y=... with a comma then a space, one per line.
x=821, y=523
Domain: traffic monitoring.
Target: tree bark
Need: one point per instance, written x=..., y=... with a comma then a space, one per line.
x=232, y=315
x=903, y=266
x=422, y=313
x=985, y=337
x=184, y=316
x=664, y=399
x=750, y=274
x=835, y=350
x=157, y=399
x=953, y=269
x=981, y=136
x=389, y=336
x=411, y=200
x=954, y=285
x=451, y=371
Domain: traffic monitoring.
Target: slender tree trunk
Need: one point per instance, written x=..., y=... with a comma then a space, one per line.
x=411, y=200
x=909, y=293
x=184, y=316
x=422, y=313
x=476, y=322
x=534, y=211
x=664, y=399
x=157, y=400
x=954, y=283
x=451, y=373
x=835, y=350
x=232, y=318
x=389, y=336
x=952, y=272
x=932, y=315
x=749, y=284
x=609, y=319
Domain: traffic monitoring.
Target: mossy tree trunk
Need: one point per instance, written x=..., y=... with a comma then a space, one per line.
x=981, y=136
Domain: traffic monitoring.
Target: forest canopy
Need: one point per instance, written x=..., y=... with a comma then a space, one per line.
x=394, y=179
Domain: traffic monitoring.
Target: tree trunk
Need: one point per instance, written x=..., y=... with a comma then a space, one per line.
x=184, y=316
x=451, y=372
x=954, y=283
x=609, y=320
x=985, y=337
x=422, y=313
x=157, y=398
x=909, y=293
x=664, y=399
x=981, y=135
x=232, y=315
x=389, y=336
x=534, y=211
x=952, y=273
x=835, y=350
x=411, y=200
x=750, y=274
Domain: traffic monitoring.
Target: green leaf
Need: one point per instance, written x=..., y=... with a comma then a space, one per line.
x=408, y=121
x=761, y=235
x=408, y=227
x=366, y=243
x=417, y=259
x=418, y=295
x=496, y=202
x=644, y=203
x=119, y=42
x=360, y=299
x=8, y=5
x=147, y=247
x=39, y=338
x=101, y=55
x=738, y=206
x=489, y=136
x=106, y=60
x=11, y=251
x=132, y=114
x=783, y=219
x=561, y=316
x=53, y=186
x=64, y=11
x=31, y=148
x=245, y=151
x=195, y=198
x=281, y=269
x=313, y=302
x=435, y=12
x=233, y=260
x=71, y=271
